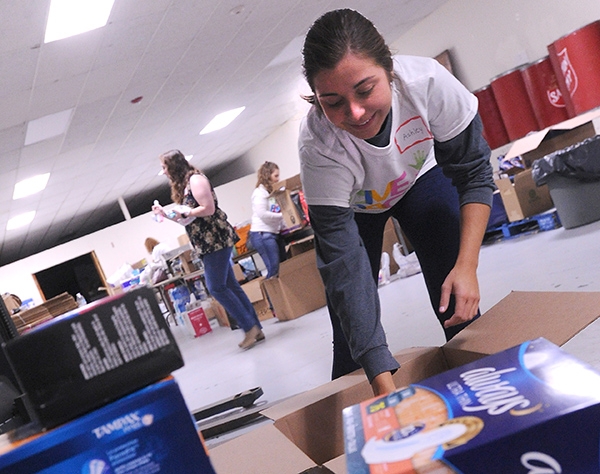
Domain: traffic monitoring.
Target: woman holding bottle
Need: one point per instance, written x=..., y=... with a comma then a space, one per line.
x=213, y=237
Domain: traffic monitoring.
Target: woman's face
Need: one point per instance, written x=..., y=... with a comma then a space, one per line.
x=355, y=96
x=164, y=168
x=274, y=178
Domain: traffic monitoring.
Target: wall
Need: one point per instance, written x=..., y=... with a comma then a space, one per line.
x=485, y=38
x=489, y=37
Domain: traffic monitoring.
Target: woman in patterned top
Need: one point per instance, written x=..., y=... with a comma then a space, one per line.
x=213, y=237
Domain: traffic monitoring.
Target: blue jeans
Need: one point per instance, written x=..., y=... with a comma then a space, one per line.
x=224, y=287
x=271, y=249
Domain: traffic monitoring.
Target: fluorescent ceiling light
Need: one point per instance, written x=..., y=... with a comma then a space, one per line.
x=48, y=126
x=30, y=186
x=222, y=120
x=187, y=157
x=73, y=17
x=20, y=220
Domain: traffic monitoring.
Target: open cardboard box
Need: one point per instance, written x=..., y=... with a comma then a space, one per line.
x=561, y=135
x=523, y=198
x=311, y=422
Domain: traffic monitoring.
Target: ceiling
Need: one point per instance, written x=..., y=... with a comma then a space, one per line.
x=188, y=60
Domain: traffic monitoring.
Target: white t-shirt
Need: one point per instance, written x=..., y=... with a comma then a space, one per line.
x=338, y=169
x=263, y=218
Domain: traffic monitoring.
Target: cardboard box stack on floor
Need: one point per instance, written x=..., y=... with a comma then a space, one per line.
x=94, y=386
x=307, y=430
x=298, y=289
x=524, y=199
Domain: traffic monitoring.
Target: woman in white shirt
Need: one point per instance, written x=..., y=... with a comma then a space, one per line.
x=267, y=220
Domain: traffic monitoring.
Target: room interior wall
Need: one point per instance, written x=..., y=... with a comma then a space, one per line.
x=485, y=38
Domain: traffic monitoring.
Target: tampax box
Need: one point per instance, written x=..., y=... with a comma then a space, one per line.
x=148, y=431
x=92, y=356
x=513, y=412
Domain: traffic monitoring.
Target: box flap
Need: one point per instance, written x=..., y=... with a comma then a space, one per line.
x=264, y=450
x=523, y=316
x=253, y=289
x=418, y=363
x=292, y=404
x=337, y=465
x=533, y=140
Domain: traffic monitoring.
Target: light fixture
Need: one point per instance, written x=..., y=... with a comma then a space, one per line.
x=73, y=17
x=30, y=186
x=48, y=126
x=222, y=120
x=187, y=157
x=20, y=220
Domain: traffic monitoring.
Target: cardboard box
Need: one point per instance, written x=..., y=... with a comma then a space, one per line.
x=292, y=217
x=150, y=430
x=239, y=273
x=556, y=137
x=93, y=355
x=258, y=298
x=183, y=240
x=215, y=310
x=298, y=289
x=523, y=198
x=292, y=184
x=507, y=412
x=312, y=420
x=305, y=244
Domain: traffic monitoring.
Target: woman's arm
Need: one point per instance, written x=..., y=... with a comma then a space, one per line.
x=466, y=160
x=202, y=192
x=352, y=292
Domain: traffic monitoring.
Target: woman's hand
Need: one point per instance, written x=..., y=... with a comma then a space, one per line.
x=158, y=210
x=462, y=279
x=464, y=286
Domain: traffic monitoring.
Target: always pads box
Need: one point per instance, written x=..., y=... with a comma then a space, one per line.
x=93, y=355
x=148, y=431
x=513, y=412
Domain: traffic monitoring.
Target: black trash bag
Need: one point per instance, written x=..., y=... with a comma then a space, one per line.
x=580, y=161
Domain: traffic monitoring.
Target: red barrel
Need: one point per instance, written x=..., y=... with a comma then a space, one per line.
x=576, y=61
x=514, y=104
x=545, y=95
x=494, y=130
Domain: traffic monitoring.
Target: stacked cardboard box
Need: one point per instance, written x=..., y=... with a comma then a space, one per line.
x=540, y=144
x=29, y=318
x=298, y=289
x=93, y=378
x=310, y=425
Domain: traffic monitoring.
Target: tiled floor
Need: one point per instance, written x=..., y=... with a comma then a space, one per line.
x=297, y=354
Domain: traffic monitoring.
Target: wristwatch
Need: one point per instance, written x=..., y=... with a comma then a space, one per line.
x=185, y=215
